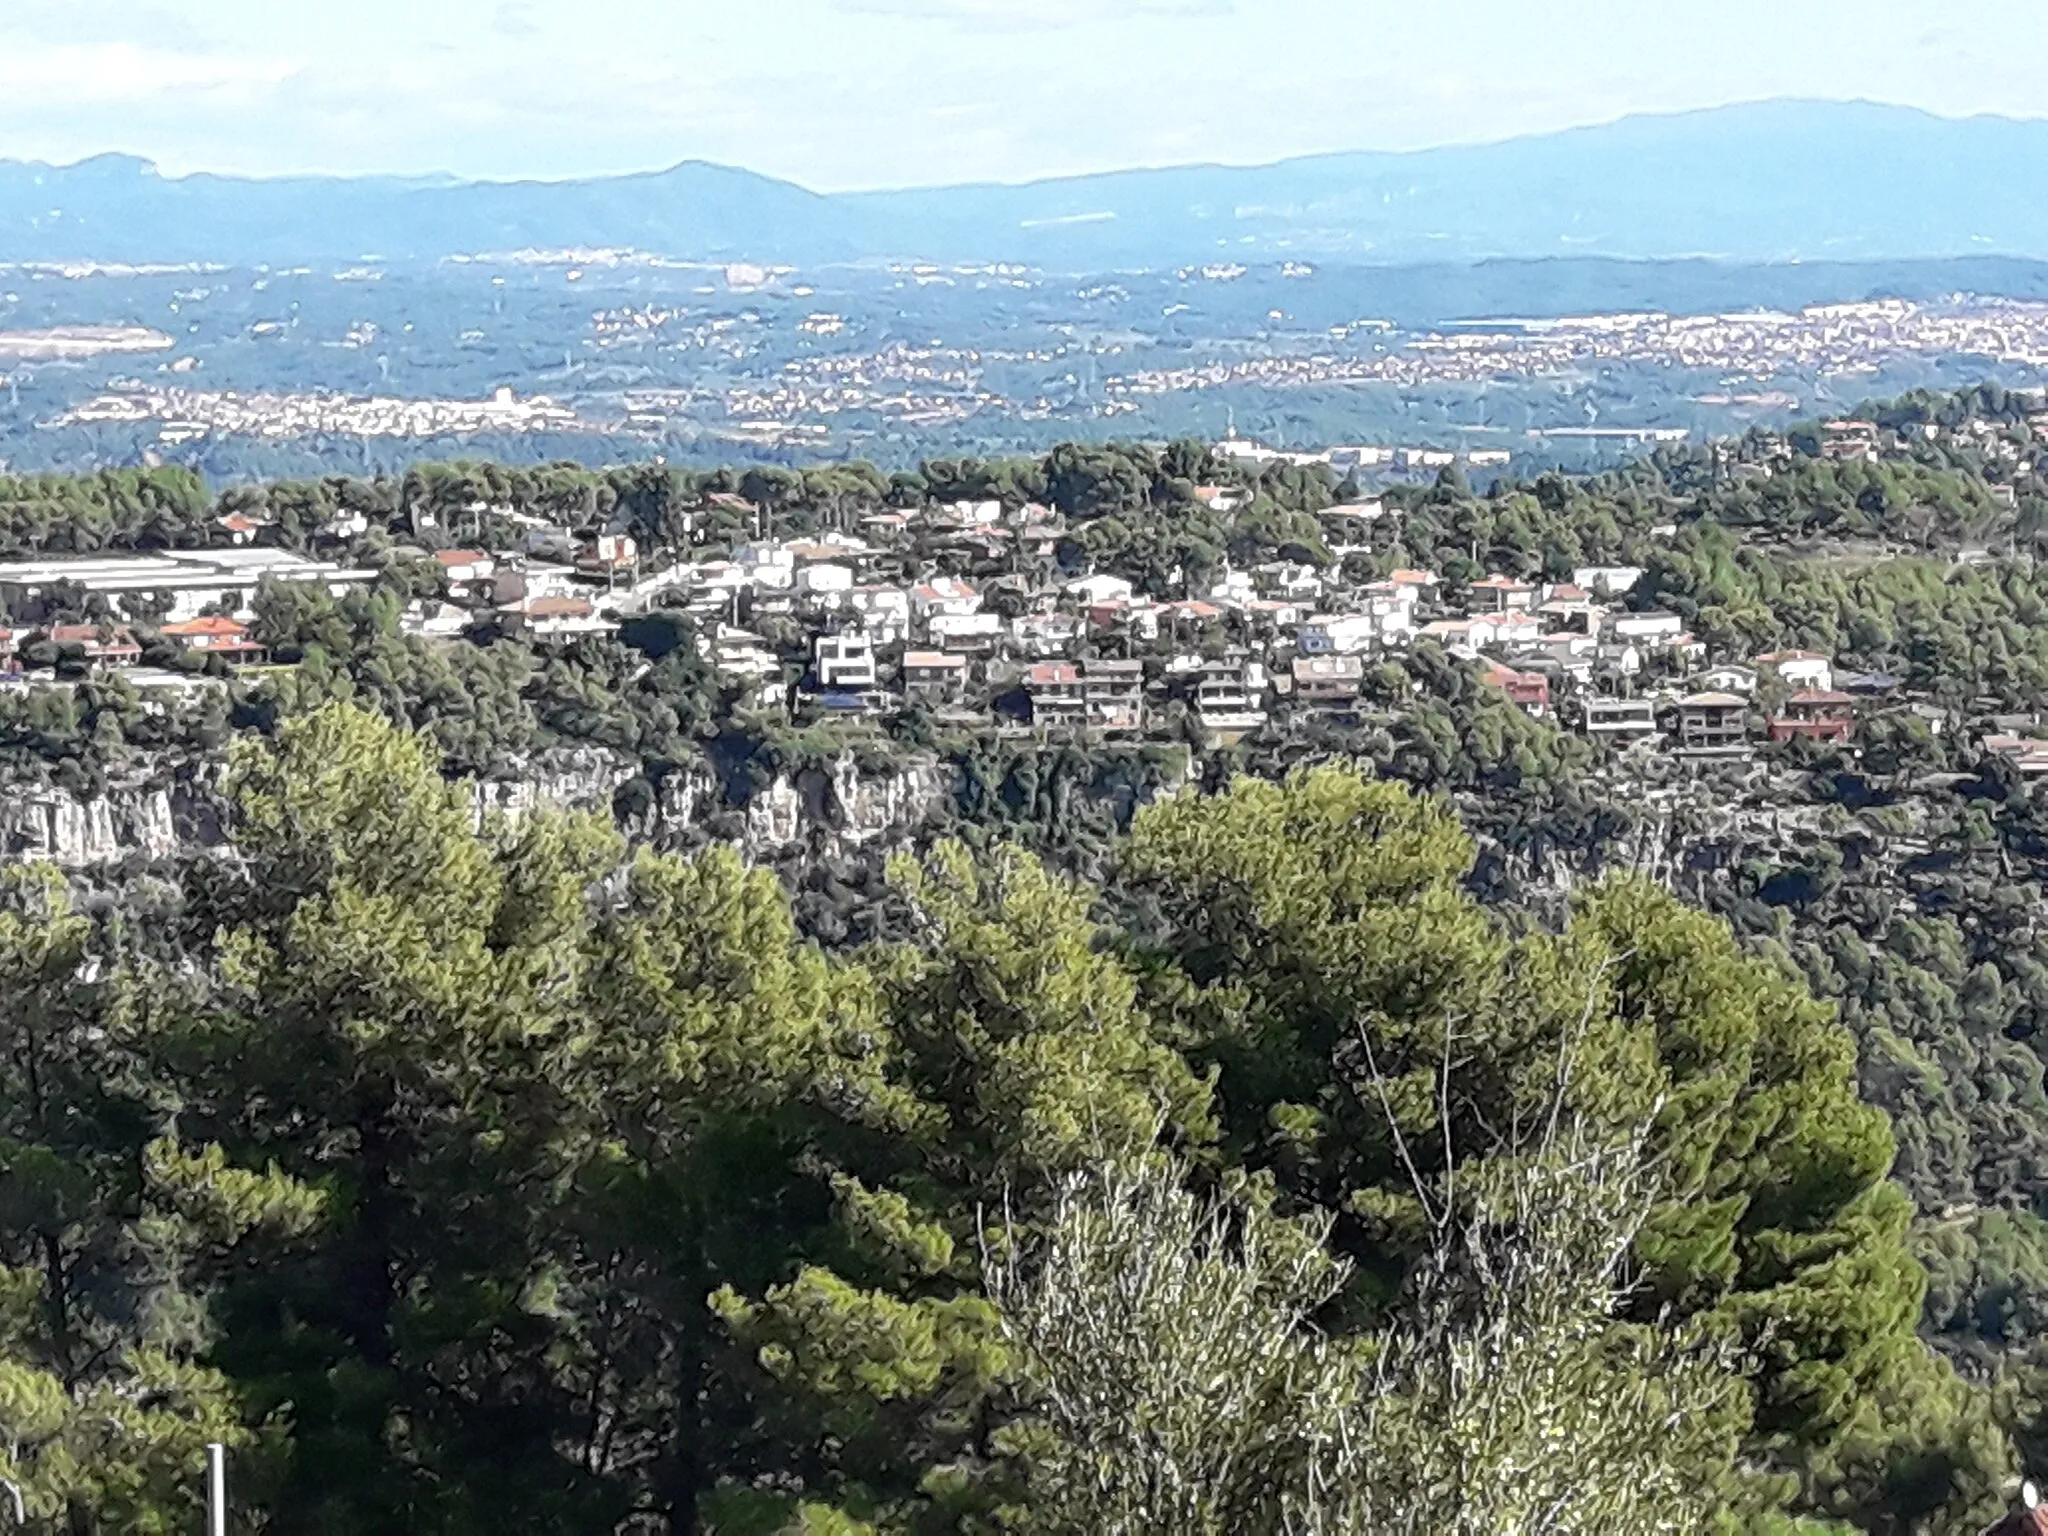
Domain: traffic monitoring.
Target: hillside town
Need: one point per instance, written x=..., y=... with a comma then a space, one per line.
x=972, y=614
x=1747, y=348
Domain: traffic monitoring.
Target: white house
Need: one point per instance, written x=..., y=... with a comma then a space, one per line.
x=1607, y=580
x=1799, y=669
x=1468, y=636
x=942, y=595
x=1652, y=627
x=845, y=662
x=1100, y=588
x=1045, y=634
x=977, y=632
x=1337, y=634
x=973, y=513
x=1729, y=678
x=739, y=652
x=1285, y=579
x=814, y=580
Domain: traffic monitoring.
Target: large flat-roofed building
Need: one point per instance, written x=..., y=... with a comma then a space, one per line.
x=193, y=580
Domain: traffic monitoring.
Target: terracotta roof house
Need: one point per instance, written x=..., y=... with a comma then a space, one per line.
x=1816, y=714
x=1500, y=594
x=216, y=636
x=460, y=566
x=1058, y=696
x=934, y=674
x=1528, y=691
x=116, y=648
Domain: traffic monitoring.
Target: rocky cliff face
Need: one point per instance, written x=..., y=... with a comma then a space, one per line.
x=1682, y=833
x=166, y=810
x=830, y=812
x=171, y=808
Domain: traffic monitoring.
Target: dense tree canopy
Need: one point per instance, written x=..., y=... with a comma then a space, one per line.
x=476, y=1177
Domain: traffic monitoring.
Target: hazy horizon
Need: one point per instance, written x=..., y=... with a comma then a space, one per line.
x=840, y=95
x=655, y=169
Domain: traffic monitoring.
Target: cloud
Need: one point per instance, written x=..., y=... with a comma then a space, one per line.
x=1037, y=15
x=515, y=19
x=65, y=21
x=67, y=74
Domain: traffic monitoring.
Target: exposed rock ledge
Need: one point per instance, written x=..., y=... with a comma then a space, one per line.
x=171, y=809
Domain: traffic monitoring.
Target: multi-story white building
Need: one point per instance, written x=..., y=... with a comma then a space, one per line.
x=193, y=580
x=845, y=662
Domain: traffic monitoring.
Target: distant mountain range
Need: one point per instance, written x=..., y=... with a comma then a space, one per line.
x=1770, y=182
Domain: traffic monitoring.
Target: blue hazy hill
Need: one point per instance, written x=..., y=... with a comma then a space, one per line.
x=1767, y=182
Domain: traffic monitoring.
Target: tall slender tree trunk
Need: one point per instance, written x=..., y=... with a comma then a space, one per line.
x=372, y=1298
x=685, y=1473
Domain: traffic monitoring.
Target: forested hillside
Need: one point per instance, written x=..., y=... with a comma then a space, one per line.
x=497, y=1179
x=562, y=1175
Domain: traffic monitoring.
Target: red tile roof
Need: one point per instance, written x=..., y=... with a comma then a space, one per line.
x=89, y=635
x=214, y=625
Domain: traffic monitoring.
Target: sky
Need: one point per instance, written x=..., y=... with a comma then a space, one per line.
x=840, y=94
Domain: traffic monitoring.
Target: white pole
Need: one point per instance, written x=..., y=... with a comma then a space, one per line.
x=216, y=1489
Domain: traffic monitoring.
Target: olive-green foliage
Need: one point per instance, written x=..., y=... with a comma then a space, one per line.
x=1354, y=988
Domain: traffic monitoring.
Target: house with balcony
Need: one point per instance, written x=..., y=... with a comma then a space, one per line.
x=561, y=618
x=1289, y=580
x=824, y=585
x=1136, y=618
x=1570, y=609
x=713, y=586
x=1337, y=634
x=1713, y=722
x=1087, y=591
x=1230, y=698
x=934, y=676
x=2026, y=753
x=942, y=597
x=215, y=635
x=1115, y=694
x=1328, y=682
x=967, y=634
x=1621, y=722
x=1464, y=637
x=736, y=652
x=1059, y=700
x=1607, y=580
x=1423, y=583
x=882, y=612
x=1729, y=677
x=1650, y=629
x=832, y=549
x=1500, y=594
x=1045, y=634
x=1392, y=605
x=103, y=645
x=1272, y=617
x=1815, y=714
x=464, y=569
